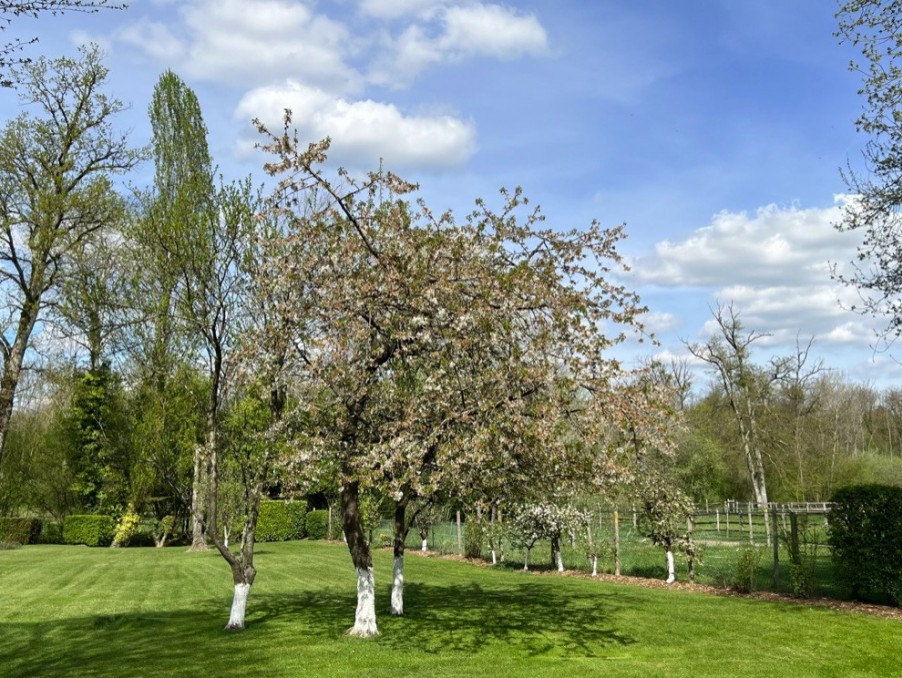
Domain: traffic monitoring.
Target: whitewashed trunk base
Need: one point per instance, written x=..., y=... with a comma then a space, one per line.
x=594, y=566
x=671, y=575
x=560, y=562
x=365, y=617
x=494, y=558
x=425, y=546
x=526, y=561
x=397, y=587
x=239, y=607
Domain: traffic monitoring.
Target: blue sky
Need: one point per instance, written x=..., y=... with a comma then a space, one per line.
x=715, y=130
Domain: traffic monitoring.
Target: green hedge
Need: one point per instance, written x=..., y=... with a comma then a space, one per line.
x=52, y=533
x=281, y=521
x=318, y=524
x=866, y=539
x=20, y=530
x=93, y=530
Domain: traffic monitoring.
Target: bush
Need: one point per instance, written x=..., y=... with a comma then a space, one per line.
x=280, y=521
x=20, y=530
x=866, y=539
x=92, y=530
x=474, y=536
x=51, y=533
x=746, y=569
x=9, y=545
x=126, y=527
x=317, y=523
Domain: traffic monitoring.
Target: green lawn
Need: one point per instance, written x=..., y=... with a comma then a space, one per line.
x=75, y=611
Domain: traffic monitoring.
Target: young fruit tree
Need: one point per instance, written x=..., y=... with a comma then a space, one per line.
x=439, y=351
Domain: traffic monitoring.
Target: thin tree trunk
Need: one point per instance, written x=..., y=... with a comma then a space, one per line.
x=671, y=574
x=400, y=537
x=12, y=370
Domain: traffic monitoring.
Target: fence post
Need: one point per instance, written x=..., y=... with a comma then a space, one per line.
x=616, y=543
x=751, y=526
x=794, y=537
x=728, y=521
x=776, y=551
x=460, y=548
x=717, y=513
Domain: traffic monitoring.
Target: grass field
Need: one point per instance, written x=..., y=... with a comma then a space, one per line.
x=75, y=611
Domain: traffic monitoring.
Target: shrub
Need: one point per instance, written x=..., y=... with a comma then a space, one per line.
x=280, y=521
x=20, y=530
x=51, y=533
x=9, y=545
x=474, y=536
x=866, y=538
x=317, y=523
x=126, y=527
x=746, y=569
x=92, y=530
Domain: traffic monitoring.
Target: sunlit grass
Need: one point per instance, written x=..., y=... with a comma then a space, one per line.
x=76, y=611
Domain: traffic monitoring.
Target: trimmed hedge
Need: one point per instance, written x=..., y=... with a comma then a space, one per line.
x=866, y=539
x=92, y=530
x=318, y=524
x=20, y=530
x=52, y=533
x=281, y=521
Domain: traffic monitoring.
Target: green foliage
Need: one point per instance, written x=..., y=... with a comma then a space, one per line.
x=474, y=538
x=9, y=545
x=866, y=538
x=21, y=530
x=317, y=524
x=51, y=533
x=92, y=530
x=746, y=569
x=127, y=526
x=281, y=521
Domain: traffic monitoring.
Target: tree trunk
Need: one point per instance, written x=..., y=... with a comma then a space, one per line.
x=671, y=575
x=12, y=370
x=198, y=539
x=365, y=616
x=400, y=537
x=560, y=561
x=594, y=566
x=526, y=559
x=425, y=546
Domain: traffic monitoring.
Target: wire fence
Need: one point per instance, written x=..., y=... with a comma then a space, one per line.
x=787, y=544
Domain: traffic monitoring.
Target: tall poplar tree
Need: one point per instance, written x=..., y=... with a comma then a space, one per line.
x=183, y=201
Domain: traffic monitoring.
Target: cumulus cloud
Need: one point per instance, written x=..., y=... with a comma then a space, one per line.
x=459, y=32
x=773, y=266
x=773, y=245
x=246, y=41
x=364, y=132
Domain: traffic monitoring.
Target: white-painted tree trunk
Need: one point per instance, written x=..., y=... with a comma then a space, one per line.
x=494, y=558
x=425, y=546
x=594, y=566
x=397, y=587
x=560, y=562
x=526, y=560
x=239, y=607
x=671, y=575
x=365, y=617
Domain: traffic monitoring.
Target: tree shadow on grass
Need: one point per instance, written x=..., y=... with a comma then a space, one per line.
x=529, y=620
x=532, y=619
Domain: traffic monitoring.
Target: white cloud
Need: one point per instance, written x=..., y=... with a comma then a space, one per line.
x=364, y=132
x=393, y=9
x=459, y=32
x=773, y=246
x=246, y=41
x=773, y=266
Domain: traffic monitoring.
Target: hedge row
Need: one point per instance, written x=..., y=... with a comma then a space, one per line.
x=318, y=525
x=866, y=539
x=92, y=530
x=20, y=530
x=281, y=521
